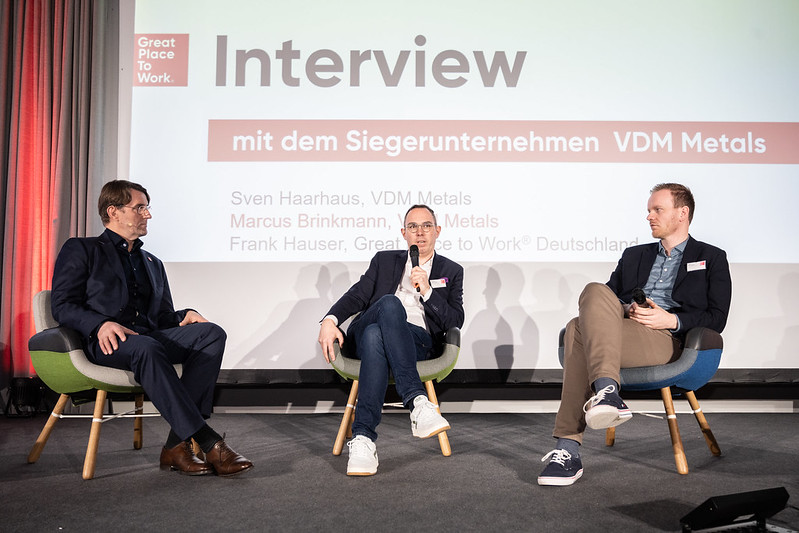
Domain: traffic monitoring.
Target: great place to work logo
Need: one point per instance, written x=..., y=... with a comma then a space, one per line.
x=161, y=60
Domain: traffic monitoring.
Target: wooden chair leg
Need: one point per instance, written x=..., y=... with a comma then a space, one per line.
x=674, y=430
x=138, y=438
x=703, y=425
x=94, y=436
x=443, y=440
x=38, y=446
x=610, y=436
x=345, y=427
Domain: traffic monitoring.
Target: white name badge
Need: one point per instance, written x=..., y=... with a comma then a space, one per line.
x=697, y=265
x=438, y=283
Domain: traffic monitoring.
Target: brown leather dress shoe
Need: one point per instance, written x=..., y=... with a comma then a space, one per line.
x=182, y=459
x=225, y=461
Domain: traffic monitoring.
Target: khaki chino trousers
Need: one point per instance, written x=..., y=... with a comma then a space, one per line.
x=598, y=343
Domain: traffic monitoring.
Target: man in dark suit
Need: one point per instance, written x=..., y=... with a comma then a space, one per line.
x=117, y=297
x=687, y=284
x=404, y=312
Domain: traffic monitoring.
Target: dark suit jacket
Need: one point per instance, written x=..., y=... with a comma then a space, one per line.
x=89, y=287
x=703, y=295
x=442, y=311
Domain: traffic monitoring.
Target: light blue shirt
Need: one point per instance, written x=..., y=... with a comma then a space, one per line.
x=661, y=280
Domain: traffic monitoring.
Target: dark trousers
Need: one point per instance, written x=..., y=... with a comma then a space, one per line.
x=184, y=402
x=386, y=342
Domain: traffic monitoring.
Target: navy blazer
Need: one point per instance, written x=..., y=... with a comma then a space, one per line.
x=89, y=287
x=443, y=310
x=703, y=294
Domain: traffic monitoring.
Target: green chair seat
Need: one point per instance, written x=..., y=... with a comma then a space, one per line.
x=436, y=369
x=59, y=360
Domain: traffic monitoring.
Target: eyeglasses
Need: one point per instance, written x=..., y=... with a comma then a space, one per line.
x=427, y=227
x=140, y=209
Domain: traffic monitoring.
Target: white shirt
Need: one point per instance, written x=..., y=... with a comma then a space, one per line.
x=406, y=292
x=410, y=298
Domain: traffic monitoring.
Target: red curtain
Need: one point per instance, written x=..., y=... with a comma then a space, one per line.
x=37, y=37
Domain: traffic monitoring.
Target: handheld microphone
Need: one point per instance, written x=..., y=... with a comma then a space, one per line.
x=413, y=251
x=639, y=297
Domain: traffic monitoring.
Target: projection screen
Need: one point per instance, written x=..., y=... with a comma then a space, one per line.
x=282, y=142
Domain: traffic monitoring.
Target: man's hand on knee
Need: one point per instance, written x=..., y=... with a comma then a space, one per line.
x=192, y=317
x=108, y=334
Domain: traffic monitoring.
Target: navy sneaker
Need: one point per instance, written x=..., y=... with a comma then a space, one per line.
x=606, y=409
x=562, y=470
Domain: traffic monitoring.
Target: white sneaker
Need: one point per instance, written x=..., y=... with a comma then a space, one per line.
x=363, y=457
x=426, y=421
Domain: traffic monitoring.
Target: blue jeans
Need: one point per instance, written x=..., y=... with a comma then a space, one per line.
x=386, y=342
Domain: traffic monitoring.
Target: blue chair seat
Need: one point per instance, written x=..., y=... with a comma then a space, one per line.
x=696, y=365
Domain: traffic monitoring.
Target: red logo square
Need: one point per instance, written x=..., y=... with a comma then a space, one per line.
x=161, y=60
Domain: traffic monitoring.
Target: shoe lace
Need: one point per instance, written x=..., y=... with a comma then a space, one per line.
x=557, y=456
x=428, y=410
x=359, y=447
x=422, y=411
x=598, y=397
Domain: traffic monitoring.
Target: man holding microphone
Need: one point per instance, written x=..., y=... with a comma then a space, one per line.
x=407, y=300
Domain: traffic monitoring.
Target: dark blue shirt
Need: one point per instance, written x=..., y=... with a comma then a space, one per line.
x=139, y=288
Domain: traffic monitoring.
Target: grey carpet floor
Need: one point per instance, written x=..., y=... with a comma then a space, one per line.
x=488, y=484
